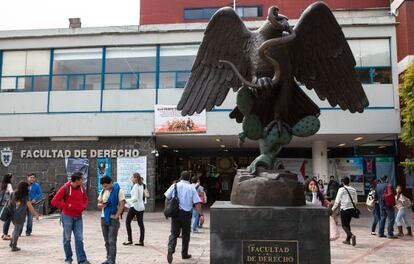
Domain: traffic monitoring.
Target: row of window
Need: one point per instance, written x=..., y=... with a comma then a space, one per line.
x=207, y=12
x=139, y=67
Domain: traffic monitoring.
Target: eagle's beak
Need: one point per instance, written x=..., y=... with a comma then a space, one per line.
x=279, y=21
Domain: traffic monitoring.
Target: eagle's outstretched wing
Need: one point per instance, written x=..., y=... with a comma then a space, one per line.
x=226, y=38
x=323, y=60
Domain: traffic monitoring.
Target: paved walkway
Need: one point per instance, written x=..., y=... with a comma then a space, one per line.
x=45, y=245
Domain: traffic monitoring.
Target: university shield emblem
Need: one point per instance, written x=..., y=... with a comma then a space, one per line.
x=6, y=156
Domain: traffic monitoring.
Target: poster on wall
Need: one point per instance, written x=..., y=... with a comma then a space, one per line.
x=128, y=166
x=73, y=165
x=169, y=120
x=353, y=168
x=385, y=166
x=103, y=168
x=301, y=167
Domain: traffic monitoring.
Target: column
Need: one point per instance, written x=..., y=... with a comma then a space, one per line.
x=320, y=160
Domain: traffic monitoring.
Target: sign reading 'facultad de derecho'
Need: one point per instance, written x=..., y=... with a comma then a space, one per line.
x=270, y=251
x=78, y=153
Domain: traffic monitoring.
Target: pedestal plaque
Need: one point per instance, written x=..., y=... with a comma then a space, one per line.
x=265, y=235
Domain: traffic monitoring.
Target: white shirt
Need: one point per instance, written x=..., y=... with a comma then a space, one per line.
x=343, y=199
x=9, y=188
x=187, y=195
x=104, y=196
x=137, y=198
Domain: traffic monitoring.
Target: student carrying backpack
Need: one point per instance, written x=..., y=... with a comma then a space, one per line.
x=389, y=198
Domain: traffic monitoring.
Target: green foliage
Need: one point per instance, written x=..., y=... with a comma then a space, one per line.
x=407, y=113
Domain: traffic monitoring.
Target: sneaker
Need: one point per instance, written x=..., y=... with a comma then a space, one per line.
x=127, y=243
x=346, y=242
x=392, y=237
x=382, y=236
x=141, y=244
x=28, y=234
x=68, y=261
x=14, y=249
x=188, y=256
x=353, y=239
x=170, y=257
x=373, y=233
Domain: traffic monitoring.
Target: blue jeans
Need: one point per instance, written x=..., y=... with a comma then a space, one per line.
x=6, y=227
x=75, y=225
x=29, y=223
x=387, y=213
x=376, y=216
x=402, y=215
x=194, y=226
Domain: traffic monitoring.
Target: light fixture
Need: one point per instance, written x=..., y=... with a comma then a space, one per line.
x=342, y=145
x=218, y=140
x=176, y=150
x=382, y=147
x=226, y=150
x=164, y=146
x=358, y=138
x=223, y=146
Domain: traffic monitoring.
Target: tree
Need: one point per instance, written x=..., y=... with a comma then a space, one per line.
x=407, y=113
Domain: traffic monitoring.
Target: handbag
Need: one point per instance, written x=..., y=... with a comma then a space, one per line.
x=6, y=213
x=356, y=212
x=173, y=206
x=146, y=193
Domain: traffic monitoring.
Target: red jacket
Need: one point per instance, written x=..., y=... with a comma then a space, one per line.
x=76, y=198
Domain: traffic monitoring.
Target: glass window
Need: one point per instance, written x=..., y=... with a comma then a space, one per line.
x=130, y=67
x=77, y=69
x=249, y=11
x=199, y=13
x=175, y=65
x=25, y=70
x=373, y=60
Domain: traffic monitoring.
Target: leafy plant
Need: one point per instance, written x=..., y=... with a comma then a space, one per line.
x=407, y=113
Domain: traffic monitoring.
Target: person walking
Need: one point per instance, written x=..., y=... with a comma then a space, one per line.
x=375, y=209
x=195, y=181
x=112, y=202
x=72, y=200
x=386, y=209
x=345, y=200
x=22, y=205
x=401, y=203
x=5, y=193
x=35, y=194
x=188, y=197
x=332, y=190
x=136, y=208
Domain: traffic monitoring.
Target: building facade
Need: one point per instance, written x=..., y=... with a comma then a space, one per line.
x=95, y=90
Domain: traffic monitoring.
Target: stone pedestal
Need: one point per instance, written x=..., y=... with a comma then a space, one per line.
x=268, y=188
x=259, y=234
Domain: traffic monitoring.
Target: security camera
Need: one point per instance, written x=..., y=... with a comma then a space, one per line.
x=155, y=152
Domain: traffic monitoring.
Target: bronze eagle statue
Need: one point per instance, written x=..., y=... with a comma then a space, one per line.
x=266, y=67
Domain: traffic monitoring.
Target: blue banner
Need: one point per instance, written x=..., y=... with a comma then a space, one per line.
x=103, y=168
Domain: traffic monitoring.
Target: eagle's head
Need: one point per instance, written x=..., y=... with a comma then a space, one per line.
x=278, y=21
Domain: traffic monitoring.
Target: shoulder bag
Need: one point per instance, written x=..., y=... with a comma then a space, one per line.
x=356, y=212
x=173, y=206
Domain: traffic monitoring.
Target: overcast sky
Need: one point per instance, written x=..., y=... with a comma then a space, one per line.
x=40, y=14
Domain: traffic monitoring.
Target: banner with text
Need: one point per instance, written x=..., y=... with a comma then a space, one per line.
x=73, y=165
x=169, y=120
x=126, y=167
x=103, y=168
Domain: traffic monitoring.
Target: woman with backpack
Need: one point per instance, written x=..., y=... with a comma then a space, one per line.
x=5, y=193
x=21, y=204
x=401, y=203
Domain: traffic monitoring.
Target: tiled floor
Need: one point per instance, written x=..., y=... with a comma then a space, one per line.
x=45, y=245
